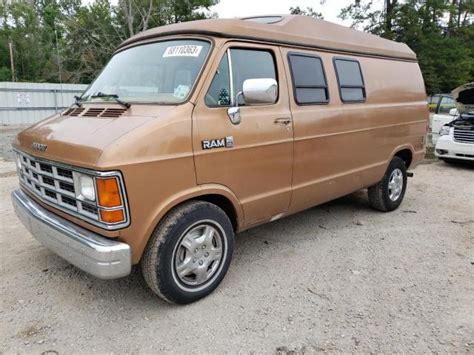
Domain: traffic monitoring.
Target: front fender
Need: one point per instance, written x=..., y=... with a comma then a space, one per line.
x=167, y=205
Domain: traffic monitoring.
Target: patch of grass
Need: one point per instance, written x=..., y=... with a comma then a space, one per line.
x=430, y=153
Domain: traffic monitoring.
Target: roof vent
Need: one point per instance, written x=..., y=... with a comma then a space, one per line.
x=264, y=19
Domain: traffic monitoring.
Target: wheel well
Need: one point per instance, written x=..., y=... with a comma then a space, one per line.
x=223, y=203
x=406, y=156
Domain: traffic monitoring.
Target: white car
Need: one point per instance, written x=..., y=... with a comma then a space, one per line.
x=456, y=138
x=443, y=114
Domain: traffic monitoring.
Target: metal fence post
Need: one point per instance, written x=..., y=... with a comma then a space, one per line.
x=55, y=91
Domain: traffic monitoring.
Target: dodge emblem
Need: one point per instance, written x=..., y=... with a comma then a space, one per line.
x=39, y=146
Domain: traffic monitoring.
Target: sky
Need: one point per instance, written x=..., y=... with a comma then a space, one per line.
x=241, y=8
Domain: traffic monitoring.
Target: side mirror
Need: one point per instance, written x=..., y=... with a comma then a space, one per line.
x=260, y=91
x=254, y=92
x=453, y=112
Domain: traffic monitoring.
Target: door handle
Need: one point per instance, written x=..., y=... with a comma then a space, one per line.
x=283, y=120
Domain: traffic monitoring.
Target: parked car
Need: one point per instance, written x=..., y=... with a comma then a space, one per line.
x=443, y=114
x=433, y=101
x=196, y=131
x=456, y=141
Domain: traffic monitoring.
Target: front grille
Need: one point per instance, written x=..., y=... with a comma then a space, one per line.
x=463, y=135
x=54, y=185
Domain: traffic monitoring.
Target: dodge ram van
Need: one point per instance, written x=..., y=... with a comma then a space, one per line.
x=196, y=131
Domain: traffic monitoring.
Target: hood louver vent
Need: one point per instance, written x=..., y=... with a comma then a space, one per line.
x=77, y=111
x=67, y=112
x=72, y=111
x=113, y=112
x=95, y=112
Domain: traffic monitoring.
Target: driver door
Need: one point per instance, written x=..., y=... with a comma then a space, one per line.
x=254, y=158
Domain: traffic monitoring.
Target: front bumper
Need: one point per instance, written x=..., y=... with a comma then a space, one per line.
x=447, y=148
x=96, y=255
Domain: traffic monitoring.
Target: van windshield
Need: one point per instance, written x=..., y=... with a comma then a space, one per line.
x=160, y=72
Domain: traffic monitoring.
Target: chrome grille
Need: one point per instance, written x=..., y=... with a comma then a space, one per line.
x=463, y=135
x=54, y=185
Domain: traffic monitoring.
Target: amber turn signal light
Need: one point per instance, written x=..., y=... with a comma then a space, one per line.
x=112, y=216
x=108, y=192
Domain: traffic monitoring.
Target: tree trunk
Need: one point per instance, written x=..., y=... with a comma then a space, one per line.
x=389, y=10
x=459, y=9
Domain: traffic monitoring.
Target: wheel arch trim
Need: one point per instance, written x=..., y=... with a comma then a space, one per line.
x=194, y=194
x=401, y=148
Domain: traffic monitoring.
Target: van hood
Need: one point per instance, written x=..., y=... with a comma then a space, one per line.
x=81, y=139
x=464, y=96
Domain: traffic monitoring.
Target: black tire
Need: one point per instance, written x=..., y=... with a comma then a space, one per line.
x=159, y=260
x=380, y=194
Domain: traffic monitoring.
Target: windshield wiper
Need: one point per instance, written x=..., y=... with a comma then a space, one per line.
x=113, y=96
x=78, y=101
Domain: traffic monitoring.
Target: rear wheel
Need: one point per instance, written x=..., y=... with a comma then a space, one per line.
x=388, y=194
x=189, y=253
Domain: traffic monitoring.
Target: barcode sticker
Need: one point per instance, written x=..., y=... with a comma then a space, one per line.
x=189, y=50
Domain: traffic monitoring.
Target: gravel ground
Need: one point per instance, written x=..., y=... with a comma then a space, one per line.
x=7, y=133
x=336, y=278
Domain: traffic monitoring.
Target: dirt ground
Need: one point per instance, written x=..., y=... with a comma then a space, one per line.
x=336, y=278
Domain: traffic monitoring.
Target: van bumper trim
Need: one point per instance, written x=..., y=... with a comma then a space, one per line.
x=99, y=256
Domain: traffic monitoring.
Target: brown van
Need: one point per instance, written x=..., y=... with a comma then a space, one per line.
x=196, y=131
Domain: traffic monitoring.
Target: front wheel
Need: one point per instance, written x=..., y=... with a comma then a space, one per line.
x=189, y=253
x=388, y=194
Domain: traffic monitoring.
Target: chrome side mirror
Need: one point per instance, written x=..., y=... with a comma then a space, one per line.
x=255, y=91
x=260, y=91
x=453, y=112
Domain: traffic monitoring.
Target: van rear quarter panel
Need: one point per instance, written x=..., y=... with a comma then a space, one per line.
x=343, y=147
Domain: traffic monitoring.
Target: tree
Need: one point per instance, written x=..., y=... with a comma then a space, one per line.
x=308, y=12
x=440, y=32
x=65, y=40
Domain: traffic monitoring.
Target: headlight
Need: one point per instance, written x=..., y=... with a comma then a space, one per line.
x=106, y=194
x=444, y=131
x=85, y=188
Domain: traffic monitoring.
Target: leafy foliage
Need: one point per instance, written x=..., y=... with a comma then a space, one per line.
x=440, y=32
x=66, y=41
x=308, y=12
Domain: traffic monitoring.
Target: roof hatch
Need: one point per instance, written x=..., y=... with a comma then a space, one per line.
x=264, y=19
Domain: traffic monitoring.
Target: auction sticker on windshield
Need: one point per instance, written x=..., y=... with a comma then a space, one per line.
x=189, y=50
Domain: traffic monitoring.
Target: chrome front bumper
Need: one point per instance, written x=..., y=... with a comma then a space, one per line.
x=99, y=256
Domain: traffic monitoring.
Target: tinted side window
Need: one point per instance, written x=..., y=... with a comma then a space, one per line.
x=246, y=64
x=309, y=79
x=251, y=64
x=349, y=77
x=446, y=104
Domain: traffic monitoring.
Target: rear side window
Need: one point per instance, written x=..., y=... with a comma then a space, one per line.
x=350, y=80
x=309, y=80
